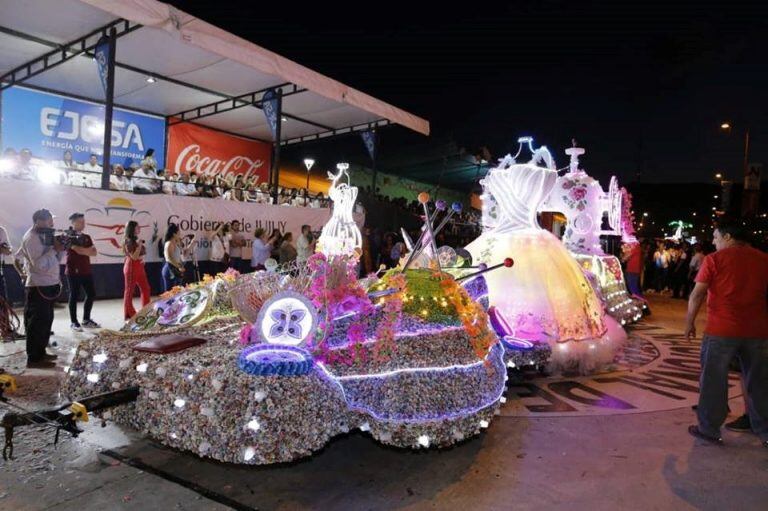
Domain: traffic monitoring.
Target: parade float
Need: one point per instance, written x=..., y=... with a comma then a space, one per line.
x=550, y=305
x=268, y=367
x=584, y=203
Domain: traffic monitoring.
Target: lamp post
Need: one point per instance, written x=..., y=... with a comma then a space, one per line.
x=308, y=162
x=342, y=166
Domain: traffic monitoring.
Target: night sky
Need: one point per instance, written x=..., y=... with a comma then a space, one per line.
x=642, y=87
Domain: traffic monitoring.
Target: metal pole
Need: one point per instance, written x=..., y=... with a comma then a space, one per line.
x=109, y=107
x=276, y=152
x=375, y=155
x=746, y=152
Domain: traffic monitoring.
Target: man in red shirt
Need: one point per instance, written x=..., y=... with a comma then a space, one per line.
x=734, y=281
x=633, y=255
x=79, y=273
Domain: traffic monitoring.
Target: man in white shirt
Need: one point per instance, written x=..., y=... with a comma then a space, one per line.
x=91, y=176
x=305, y=245
x=144, y=180
x=26, y=169
x=185, y=186
x=118, y=182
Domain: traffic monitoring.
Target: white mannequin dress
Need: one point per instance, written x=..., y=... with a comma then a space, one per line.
x=545, y=297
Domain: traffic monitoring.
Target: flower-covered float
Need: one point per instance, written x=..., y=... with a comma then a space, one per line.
x=583, y=201
x=296, y=356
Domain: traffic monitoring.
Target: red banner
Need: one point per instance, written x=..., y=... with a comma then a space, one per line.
x=194, y=148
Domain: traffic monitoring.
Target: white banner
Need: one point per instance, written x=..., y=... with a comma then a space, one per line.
x=106, y=214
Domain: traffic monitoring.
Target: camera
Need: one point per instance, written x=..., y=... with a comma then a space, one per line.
x=68, y=238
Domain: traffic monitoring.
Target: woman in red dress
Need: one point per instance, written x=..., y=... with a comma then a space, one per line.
x=133, y=269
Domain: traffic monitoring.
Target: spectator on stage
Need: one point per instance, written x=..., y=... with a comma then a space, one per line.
x=92, y=165
x=173, y=268
x=319, y=201
x=734, y=281
x=26, y=169
x=42, y=256
x=79, y=274
x=251, y=192
x=144, y=180
x=133, y=269
x=278, y=239
x=305, y=245
x=236, y=244
x=185, y=187
x=118, y=181
x=263, y=194
x=261, y=249
x=287, y=253
x=67, y=162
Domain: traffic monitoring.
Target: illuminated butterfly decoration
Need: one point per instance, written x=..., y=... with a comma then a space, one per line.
x=287, y=323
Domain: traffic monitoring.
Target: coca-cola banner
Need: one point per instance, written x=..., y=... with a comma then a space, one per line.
x=195, y=148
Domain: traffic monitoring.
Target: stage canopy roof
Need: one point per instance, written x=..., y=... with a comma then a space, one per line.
x=172, y=64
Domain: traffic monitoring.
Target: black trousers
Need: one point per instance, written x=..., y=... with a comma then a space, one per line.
x=75, y=283
x=38, y=318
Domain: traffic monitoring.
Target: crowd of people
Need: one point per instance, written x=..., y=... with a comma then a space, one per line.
x=146, y=178
x=667, y=266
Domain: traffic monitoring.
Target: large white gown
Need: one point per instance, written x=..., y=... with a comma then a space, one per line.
x=545, y=297
x=340, y=235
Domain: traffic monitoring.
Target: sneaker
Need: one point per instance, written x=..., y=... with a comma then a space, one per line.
x=89, y=323
x=76, y=327
x=49, y=356
x=694, y=431
x=740, y=425
x=40, y=364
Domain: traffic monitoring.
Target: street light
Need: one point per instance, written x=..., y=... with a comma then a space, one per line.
x=725, y=126
x=645, y=213
x=718, y=176
x=308, y=162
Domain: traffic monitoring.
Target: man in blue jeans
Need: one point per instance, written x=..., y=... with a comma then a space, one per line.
x=734, y=281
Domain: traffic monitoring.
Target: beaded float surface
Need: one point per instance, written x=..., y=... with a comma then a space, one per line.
x=239, y=398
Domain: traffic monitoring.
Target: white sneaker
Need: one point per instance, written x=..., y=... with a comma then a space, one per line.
x=75, y=327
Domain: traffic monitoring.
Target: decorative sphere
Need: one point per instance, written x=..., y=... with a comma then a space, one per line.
x=441, y=205
x=482, y=266
x=456, y=206
x=508, y=262
x=423, y=197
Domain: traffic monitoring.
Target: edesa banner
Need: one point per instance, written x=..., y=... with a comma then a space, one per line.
x=49, y=124
x=195, y=148
x=106, y=214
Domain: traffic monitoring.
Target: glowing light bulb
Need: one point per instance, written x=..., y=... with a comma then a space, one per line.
x=483, y=424
x=423, y=441
x=179, y=403
x=253, y=425
x=249, y=453
x=93, y=377
x=100, y=358
x=142, y=368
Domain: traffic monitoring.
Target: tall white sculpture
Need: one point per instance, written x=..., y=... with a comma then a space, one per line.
x=340, y=235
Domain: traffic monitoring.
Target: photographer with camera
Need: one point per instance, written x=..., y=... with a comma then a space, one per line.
x=78, y=271
x=42, y=251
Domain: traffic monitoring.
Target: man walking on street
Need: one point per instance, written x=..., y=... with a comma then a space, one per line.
x=734, y=281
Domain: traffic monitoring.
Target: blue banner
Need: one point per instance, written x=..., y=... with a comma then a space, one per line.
x=49, y=124
x=369, y=139
x=269, y=105
x=101, y=55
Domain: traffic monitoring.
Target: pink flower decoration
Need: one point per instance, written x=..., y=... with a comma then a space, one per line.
x=578, y=193
x=245, y=335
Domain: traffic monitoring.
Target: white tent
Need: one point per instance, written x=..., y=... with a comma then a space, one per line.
x=200, y=73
